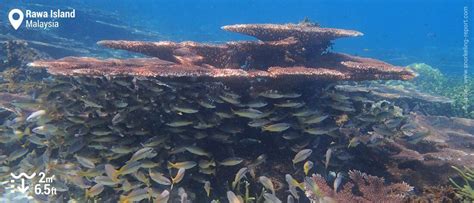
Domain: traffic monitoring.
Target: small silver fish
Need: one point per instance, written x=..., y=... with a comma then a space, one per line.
x=163, y=197
x=146, y=152
x=159, y=178
x=239, y=175
x=232, y=161
x=198, y=151
x=271, y=198
x=233, y=198
x=85, y=161
x=35, y=115
x=267, y=183
x=302, y=155
x=94, y=190
x=207, y=188
x=279, y=127
x=328, y=157
x=179, y=176
x=17, y=154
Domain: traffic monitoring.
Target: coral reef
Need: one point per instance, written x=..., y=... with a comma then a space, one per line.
x=393, y=93
x=448, y=142
x=445, y=194
x=110, y=129
x=350, y=69
x=370, y=189
x=295, y=57
x=307, y=33
x=455, y=88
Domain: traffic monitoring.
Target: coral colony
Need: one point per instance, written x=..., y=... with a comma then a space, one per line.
x=245, y=121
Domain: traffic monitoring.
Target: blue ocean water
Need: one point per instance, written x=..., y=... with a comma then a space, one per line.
x=399, y=32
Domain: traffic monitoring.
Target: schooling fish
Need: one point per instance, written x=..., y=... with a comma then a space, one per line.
x=181, y=123
x=315, y=119
x=206, y=104
x=207, y=188
x=238, y=176
x=35, y=115
x=230, y=98
x=267, y=183
x=187, y=110
x=17, y=154
x=159, y=178
x=271, y=198
x=207, y=171
x=258, y=123
x=143, y=153
x=163, y=197
x=94, y=190
x=206, y=163
x=302, y=155
x=198, y=151
x=271, y=94
x=85, y=161
x=304, y=112
x=179, y=176
x=46, y=130
x=257, y=104
x=135, y=196
x=232, y=161
x=292, y=185
x=128, y=168
x=279, y=127
x=328, y=157
x=290, y=199
x=233, y=198
x=308, y=165
x=319, y=131
x=290, y=104
x=311, y=186
x=105, y=180
x=184, y=164
x=248, y=113
x=122, y=149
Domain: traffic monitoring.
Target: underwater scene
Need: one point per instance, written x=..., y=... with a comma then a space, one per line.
x=236, y=101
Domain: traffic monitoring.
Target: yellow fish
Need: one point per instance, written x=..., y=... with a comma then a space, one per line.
x=94, y=190
x=179, y=176
x=308, y=165
x=279, y=127
x=184, y=164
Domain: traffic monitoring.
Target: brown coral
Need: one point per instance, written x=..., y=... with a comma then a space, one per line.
x=153, y=67
x=287, y=52
x=361, y=188
x=304, y=32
